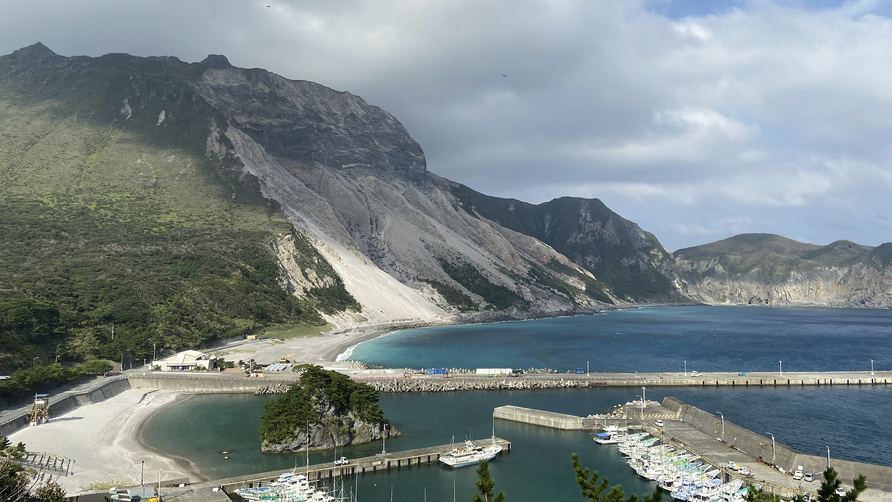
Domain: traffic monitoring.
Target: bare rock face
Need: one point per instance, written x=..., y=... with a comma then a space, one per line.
x=333, y=431
x=759, y=269
x=311, y=124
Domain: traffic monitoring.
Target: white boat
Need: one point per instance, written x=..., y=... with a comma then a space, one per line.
x=470, y=454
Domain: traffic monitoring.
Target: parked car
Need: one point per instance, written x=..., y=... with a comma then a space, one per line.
x=658, y=423
x=342, y=461
x=809, y=477
x=797, y=475
x=696, y=374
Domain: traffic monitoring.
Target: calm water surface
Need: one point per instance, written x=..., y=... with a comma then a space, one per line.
x=852, y=421
x=652, y=340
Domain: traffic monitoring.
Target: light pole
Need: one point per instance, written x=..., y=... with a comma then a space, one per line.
x=781, y=364
x=643, y=394
x=723, y=424
x=153, y=354
x=586, y=366
x=34, y=361
x=384, y=439
x=685, y=368
x=773, y=451
x=828, y=457
x=642, y=405
x=142, y=471
x=871, y=366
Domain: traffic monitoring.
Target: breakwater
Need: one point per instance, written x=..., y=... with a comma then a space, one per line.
x=409, y=381
x=766, y=451
x=207, y=383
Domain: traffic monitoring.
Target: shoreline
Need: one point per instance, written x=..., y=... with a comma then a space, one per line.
x=102, y=440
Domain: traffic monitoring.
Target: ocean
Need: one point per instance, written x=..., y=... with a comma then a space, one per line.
x=852, y=421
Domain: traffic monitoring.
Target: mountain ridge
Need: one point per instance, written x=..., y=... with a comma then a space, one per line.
x=338, y=196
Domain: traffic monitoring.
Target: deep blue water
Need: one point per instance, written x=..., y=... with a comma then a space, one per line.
x=853, y=421
x=653, y=340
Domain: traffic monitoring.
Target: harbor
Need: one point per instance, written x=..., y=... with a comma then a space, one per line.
x=704, y=447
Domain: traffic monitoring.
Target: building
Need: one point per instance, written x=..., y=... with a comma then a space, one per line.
x=187, y=361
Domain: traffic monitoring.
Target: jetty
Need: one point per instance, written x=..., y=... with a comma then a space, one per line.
x=222, y=490
x=719, y=441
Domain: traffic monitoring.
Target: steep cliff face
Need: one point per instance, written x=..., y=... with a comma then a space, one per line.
x=393, y=231
x=763, y=269
x=630, y=264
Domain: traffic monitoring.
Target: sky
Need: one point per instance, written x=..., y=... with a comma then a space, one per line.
x=696, y=119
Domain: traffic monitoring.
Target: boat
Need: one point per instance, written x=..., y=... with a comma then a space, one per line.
x=470, y=454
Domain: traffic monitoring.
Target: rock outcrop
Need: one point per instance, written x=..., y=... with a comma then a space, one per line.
x=332, y=430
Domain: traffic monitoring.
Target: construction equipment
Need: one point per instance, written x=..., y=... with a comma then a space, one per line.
x=285, y=359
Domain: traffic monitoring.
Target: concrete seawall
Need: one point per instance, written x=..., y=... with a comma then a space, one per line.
x=755, y=445
x=203, y=384
x=539, y=417
x=68, y=402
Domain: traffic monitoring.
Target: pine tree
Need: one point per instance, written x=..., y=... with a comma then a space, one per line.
x=595, y=491
x=486, y=484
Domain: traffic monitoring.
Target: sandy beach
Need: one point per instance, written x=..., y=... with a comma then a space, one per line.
x=101, y=440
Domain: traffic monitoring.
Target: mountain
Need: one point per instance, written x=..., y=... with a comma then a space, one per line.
x=765, y=269
x=152, y=202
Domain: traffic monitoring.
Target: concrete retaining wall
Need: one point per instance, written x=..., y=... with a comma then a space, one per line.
x=539, y=417
x=201, y=384
x=111, y=388
x=758, y=446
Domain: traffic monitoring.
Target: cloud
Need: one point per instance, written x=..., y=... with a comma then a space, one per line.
x=676, y=119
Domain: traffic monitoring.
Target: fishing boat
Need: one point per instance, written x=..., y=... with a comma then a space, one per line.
x=470, y=454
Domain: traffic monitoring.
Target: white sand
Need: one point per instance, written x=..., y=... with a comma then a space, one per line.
x=101, y=439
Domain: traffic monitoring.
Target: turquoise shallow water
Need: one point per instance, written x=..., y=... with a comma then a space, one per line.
x=852, y=421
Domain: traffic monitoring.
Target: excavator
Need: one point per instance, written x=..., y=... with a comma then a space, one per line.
x=285, y=359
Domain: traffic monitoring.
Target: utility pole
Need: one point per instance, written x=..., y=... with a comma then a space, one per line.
x=142, y=471
x=113, y=331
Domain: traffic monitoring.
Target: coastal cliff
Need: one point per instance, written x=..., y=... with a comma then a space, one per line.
x=764, y=269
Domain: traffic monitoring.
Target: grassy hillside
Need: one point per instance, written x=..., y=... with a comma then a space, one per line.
x=776, y=257
x=111, y=216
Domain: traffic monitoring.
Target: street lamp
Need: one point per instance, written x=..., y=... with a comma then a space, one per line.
x=781, y=364
x=723, y=424
x=384, y=439
x=828, y=457
x=34, y=361
x=685, y=368
x=871, y=366
x=642, y=405
x=643, y=394
x=773, y=451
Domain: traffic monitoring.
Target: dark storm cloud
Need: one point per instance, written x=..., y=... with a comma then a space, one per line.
x=696, y=122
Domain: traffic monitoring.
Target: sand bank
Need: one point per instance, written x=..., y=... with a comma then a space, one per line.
x=101, y=441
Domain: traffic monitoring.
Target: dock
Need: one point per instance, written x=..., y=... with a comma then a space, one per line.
x=539, y=417
x=374, y=463
x=719, y=441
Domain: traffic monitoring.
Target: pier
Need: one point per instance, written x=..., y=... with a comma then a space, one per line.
x=328, y=470
x=718, y=441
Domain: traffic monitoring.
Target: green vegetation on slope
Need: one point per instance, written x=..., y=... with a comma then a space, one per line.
x=117, y=231
x=775, y=257
x=468, y=276
x=589, y=234
x=287, y=416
